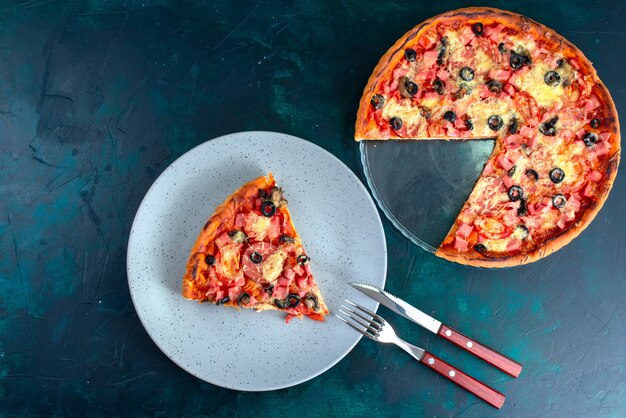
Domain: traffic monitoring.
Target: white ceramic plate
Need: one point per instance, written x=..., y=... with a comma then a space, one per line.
x=246, y=350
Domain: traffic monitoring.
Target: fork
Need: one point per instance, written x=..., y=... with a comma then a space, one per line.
x=376, y=328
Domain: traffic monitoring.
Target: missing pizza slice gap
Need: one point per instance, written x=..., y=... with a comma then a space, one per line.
x=249, y=255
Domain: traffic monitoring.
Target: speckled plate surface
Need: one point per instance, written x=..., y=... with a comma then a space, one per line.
x=246, y=350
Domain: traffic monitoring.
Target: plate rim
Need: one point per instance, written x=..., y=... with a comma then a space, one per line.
x=151, y=190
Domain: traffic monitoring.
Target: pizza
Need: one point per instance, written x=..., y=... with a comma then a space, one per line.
x=480, y=73
x=249, y=255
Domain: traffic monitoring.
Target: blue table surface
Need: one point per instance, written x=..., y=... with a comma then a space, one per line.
x=97, y=98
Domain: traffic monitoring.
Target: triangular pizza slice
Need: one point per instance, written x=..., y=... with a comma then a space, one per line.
x=249, y=255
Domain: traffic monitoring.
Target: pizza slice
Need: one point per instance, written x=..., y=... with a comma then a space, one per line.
x=249, y=255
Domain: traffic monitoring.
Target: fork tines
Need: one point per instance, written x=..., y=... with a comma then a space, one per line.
x=372, y=324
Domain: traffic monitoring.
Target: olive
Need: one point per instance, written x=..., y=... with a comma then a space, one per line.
x=552, y=78
x=377, y=102
x=442, y=51
x=477, y=28
x=410, y=54
x=286, y=238
x=396, y=123
x=515, y=193
x=237, y=236
x=280, y=303
x=495, y=122
x=547, y=128
x=209, y=259
x=256, y=257
x=590, y=138
x=480, y=248
x=466, y=74
x=512, y=171
x=244, y=299
x=263, y=194
x=518, y=60
x=469, y=124
x=269, y=289
x=494, y=86
x=521, y=231
x=557, y=175
x=310, y=300
x=449, y=116
x=268, y=208
x=223, y=301
x=559, y=63
x=425, y=112
x=303, y=259
x=513, y=127
x=292, y=300
x=410, y=87
x=502, y=48
x=523, y=208
x=532, y=174
x=594, y=123
x=438, y=86
x=558, y=201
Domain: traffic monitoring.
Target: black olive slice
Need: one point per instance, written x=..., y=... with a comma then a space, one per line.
x=517, y=61
x=223, y=301
x=209, y=259
x=594, y=123
x=269, y=289
x=449, y=116
x=521, y=231
x=244, y=299
x=469, y=124
x=590, y=138
x=466, y=74
x=494, y=86
x=256, y=258
x=425, y=112
x=263, y=194
x=532, y=174
x=480, y=248
x=558, y=201
x=280, y=303
x=523, y=208
x=311, y=302
x=410, y=87
x=502, y=48
x=286, y=238
x=547, y=129
x=303, y=259
x=442, y=51
x=557, y=175
x=512, y=171
x=515, y=193
x=377, y=102
x=268, y=208
x=410, y=54
x=513, y=127
x=396, y=123
x=292, y=300
x=495, y=122
x=438, y=86
x=477, y=28
x=552, y=78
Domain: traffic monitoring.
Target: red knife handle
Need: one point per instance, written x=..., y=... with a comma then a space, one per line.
x=484, y=392
x=494, y=358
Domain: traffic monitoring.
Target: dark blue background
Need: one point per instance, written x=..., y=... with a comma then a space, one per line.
x=97, y=98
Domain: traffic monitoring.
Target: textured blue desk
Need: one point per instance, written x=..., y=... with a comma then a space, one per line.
x=97, y=98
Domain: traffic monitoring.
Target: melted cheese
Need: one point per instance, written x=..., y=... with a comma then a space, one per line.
x=409, y=114
x=533, y=83
x=273, y=266
x=228, y=265
x=480, y=111
x=256, y=226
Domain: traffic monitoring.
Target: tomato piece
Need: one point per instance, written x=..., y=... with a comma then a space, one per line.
x=252, y=270
x=492, y=228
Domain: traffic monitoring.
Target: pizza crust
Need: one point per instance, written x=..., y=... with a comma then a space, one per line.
x=488, y=15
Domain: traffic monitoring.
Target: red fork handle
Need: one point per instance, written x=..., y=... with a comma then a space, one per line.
x=492, y=357
x=484, y=392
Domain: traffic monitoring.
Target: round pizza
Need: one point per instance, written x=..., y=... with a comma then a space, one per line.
x=485, y=73
x=249, y=255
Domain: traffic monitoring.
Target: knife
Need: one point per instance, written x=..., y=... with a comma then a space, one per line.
x=410, y=312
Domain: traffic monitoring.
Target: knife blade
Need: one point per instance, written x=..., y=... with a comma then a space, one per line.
x=408, y=311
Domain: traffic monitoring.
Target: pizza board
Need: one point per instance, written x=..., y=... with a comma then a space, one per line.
x=421, y=185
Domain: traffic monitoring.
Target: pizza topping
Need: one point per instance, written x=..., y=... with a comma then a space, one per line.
x=280, y=303
x=228, y=260
x=256, y=258
x=243, y=299
x=552, y=78
x=477, y=28
x=480, y=248
x=449, y=116
x=237, y=236
x=557, y=175
x=292, y=300
x=547, y=128
x=590, y=138
x=594, y=123
x=408, y=88
x=513, y=126
x=256, y=226
x=521, y=232
x=410, y=54
x=530, y=173
x=469, y=124
x=558, y=200
x=438, y=86
x=442, y=51
x=209, y=259
x=466, y=74
x=495, y=122
x=286, y=238
x=523, y=208
x=494, y=86
x=515, y=193
x=377, y=101
x=517, y=60
x=395, y=123
x=268, y=208
x=303, y=260
x=223, y=301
